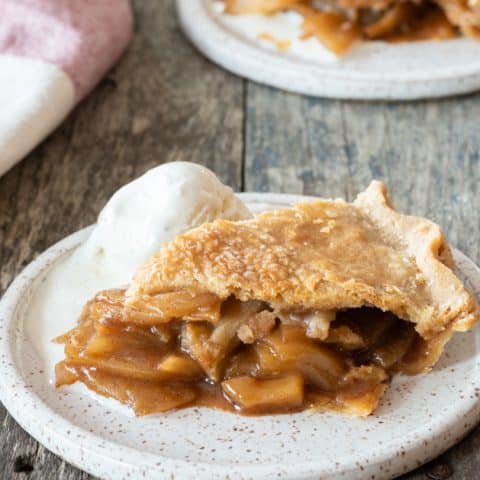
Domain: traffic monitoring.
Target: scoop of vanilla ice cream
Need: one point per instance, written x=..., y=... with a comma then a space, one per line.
x=153, y=209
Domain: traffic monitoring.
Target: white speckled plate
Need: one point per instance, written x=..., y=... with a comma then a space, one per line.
x=419, y=418
x=372, y=70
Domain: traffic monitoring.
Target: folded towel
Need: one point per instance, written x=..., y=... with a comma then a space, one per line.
x=52, y=53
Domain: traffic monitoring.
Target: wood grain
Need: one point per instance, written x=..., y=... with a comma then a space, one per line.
x=164, y=102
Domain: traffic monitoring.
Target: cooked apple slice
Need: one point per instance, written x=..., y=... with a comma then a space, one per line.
x=210, y=347
x=119, y=367
x=64, y=375
x=287, y=349
x=255, y=395
x=344, y=337
x=144, y=397
x=109, y=339
x=242, y=363
x=180, y=366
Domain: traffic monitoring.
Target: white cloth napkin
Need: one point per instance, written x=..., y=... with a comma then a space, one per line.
x=52, y=53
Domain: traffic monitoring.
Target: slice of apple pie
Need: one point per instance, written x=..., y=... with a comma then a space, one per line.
x=340, y=24
x=314, y=306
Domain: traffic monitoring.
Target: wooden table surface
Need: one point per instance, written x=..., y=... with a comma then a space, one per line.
x=164, y=102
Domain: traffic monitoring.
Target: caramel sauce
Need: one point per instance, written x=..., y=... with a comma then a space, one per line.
x=282, y=45
x=180, y=364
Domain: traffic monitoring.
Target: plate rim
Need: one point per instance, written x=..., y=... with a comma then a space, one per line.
x=112, y=453
x=217, y=42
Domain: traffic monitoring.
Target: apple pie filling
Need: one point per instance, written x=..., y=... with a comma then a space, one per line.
x=194, y=349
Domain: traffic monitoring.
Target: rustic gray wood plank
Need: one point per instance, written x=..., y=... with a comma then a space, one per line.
x=163, y=102
x=427, y=152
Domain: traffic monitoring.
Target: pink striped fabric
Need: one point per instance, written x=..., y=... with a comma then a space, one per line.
x=82, y=37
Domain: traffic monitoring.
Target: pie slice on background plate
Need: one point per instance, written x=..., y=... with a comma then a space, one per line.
x=313, y=306
x=339, y=24
x=364, y=49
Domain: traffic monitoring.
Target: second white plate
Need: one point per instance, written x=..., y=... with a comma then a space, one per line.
x=419, y=417
x=372, y=70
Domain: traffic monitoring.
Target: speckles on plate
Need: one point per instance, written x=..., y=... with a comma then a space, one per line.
x=419, y=417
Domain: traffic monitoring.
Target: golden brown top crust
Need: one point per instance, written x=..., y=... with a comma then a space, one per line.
x=320, y=255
